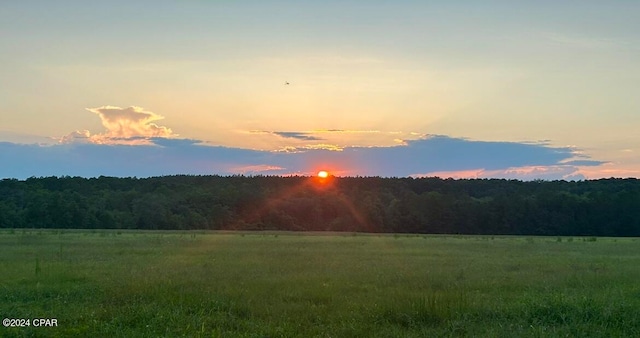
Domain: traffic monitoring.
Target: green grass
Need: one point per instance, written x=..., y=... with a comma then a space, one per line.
x=173, y=284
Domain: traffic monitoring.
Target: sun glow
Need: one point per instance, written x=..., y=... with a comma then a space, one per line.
x=323, y=174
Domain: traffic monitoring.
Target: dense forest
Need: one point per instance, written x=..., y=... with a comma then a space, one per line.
x=607, y=207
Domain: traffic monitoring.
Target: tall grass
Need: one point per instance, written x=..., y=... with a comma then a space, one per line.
x=149, y=284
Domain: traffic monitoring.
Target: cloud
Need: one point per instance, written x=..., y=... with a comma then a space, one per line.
x=349, y=131
x=132, y=125
x=174, y=142
x=297, y=135
x=334, y=139
x=583, y=163
x=311, y=135
x=611, y=170
x=554, y=172
x=131, y=121
x=305, y=148
x=76, y=137
x=258, y=169
x=433, y=155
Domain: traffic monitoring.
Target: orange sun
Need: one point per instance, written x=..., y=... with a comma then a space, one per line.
x=323, y=174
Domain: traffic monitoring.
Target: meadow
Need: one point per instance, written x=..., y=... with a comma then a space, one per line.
x=279, y=284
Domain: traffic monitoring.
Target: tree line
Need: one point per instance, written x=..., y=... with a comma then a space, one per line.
x=606, y=207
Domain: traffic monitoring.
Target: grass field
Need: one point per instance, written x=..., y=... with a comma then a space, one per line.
x=156, y=284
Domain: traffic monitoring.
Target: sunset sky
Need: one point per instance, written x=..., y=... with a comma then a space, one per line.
x=508, y=89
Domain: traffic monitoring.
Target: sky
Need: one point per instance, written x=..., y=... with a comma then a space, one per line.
x=462, y=89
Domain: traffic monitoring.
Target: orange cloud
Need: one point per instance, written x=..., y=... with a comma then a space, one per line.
x=77, y=136
x=610, y=170
x=132, y=125
x=130, y=122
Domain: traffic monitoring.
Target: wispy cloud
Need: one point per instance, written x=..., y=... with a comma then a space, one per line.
x=314, y=135
x=323, y=146
x=349, y=131
x=297, y=135
x=332, y=139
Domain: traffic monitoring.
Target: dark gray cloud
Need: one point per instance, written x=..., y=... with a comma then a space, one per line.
x=165, y=156
x=297, y=135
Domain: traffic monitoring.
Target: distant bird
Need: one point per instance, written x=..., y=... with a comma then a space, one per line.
x=286, y=83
